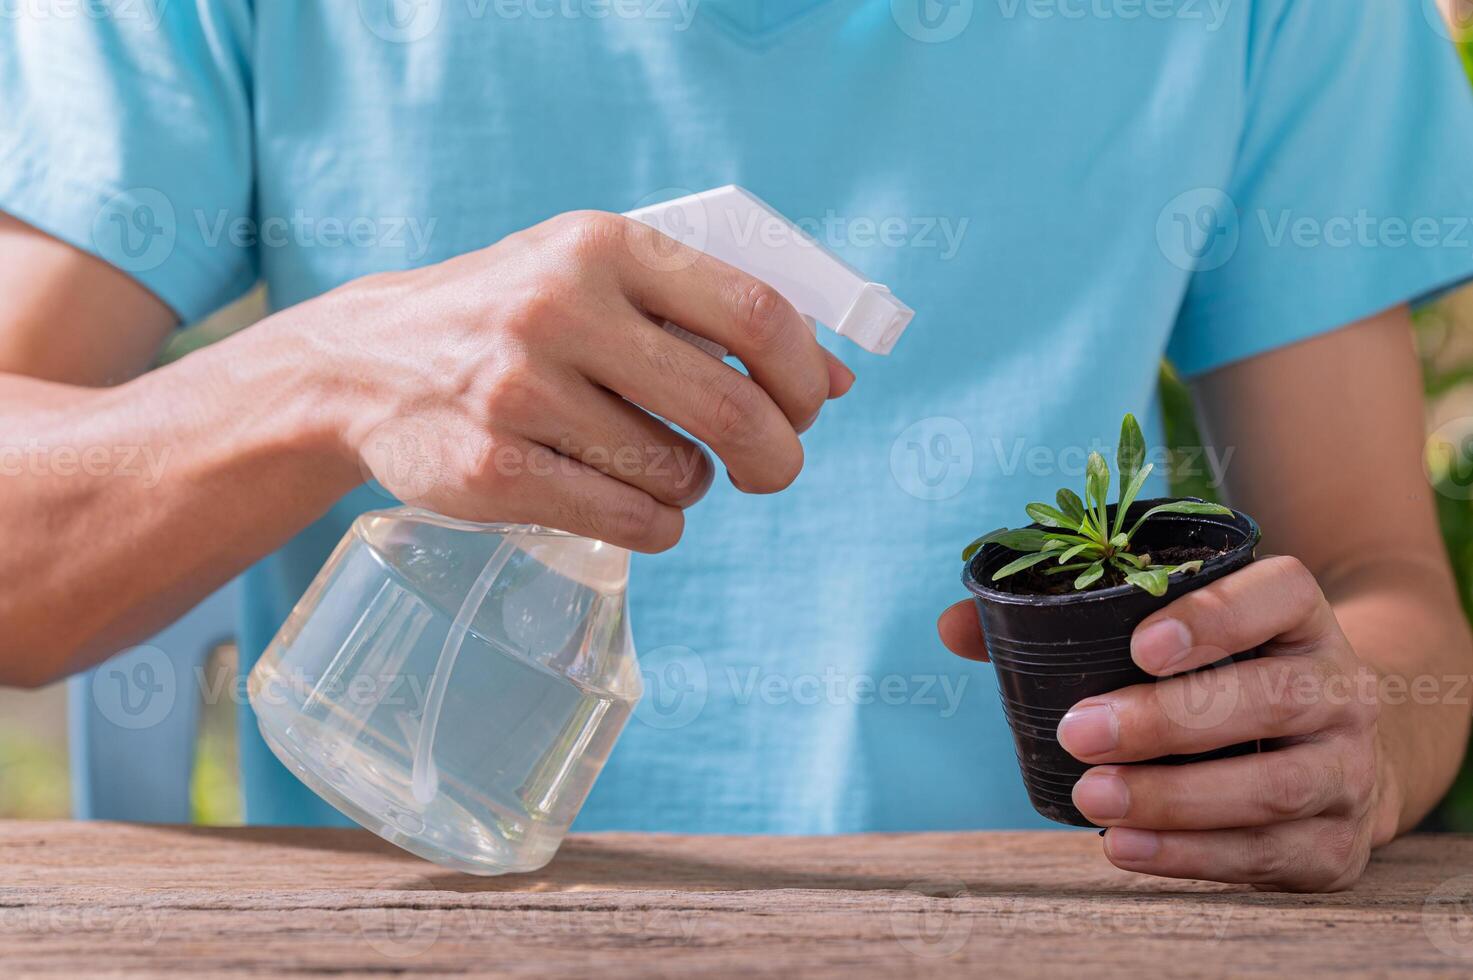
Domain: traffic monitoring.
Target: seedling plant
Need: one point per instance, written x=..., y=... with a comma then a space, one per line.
x=1079, y=538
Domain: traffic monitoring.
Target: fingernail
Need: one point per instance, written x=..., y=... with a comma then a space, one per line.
x=1102, y=795
x=1130, y=844
x=1160, y=646
x=1089, y=730
x=841, y=380
x=807, y=425
x=847, y=377
x=708, y=476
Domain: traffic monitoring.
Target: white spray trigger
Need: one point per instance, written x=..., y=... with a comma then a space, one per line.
x=737, y=227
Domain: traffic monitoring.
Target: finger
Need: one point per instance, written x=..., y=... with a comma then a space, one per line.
x=961, y=633
x=1275, y=599
x=711, y=400
x=596, y=427
x=532, y=484
x=1266, y=698
x=841, y=379
x=1292, y=783
x=1321, y=854
x=740, y=312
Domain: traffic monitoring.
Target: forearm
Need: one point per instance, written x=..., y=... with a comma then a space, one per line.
x=128, y=504
x=1402, y=617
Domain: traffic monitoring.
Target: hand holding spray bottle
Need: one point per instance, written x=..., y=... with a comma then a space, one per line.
x=457, y=687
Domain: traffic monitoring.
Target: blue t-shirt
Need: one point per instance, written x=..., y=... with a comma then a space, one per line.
x=1065, y=192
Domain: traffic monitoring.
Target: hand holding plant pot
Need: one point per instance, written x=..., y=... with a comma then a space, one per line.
x=1131, y=633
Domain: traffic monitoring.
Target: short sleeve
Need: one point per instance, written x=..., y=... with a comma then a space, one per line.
x=1350, y=193
x=126, y=132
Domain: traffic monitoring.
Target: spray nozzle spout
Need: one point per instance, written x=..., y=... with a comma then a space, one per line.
x=737, y=227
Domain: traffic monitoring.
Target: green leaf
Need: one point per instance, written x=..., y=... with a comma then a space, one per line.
x=1023, y=539
x=1049, y=517
x=1180, y=507
x=1128, y=495
x=1075, y=551
x=1130, y=454
x=1097, y=489
x=1068, y=538
x=1013, y=567
x=977, y=545
x=1186, y=568
x=1188, y=507
x=1071, y=506
x=1096, y=480
x=1072, y=567
x=1120, y=542
x=1055, y=544
x=1090, y=575
x=1133, y=561
x=1153, y=580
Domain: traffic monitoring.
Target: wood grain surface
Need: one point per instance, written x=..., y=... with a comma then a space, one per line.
x=89, y=899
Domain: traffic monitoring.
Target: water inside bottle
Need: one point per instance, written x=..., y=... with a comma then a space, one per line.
x=543, y=684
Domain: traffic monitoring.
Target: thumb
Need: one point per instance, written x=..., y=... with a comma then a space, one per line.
x=961, y=632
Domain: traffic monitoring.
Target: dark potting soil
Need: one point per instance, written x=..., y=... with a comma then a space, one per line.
x=1034, y=582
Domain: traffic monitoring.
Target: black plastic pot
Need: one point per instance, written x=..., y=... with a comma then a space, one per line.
x=1053, y=651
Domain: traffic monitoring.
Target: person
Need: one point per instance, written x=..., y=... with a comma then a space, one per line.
x=458, y=319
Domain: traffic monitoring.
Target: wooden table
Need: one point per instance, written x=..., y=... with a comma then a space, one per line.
x=93, y=898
